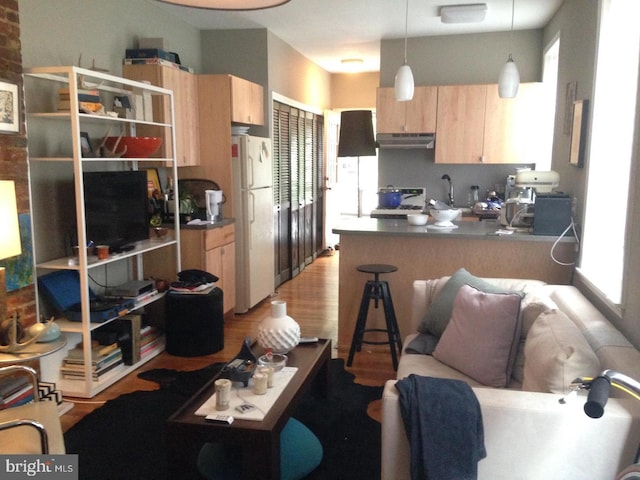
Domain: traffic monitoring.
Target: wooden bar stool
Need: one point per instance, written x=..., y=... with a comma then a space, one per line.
x=376, y=290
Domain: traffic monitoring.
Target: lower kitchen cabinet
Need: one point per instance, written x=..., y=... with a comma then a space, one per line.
x=214, y=251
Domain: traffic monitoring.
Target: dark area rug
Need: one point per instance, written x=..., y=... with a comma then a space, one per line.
x=125, y=438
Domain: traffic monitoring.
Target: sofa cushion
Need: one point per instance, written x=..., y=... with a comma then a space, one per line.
x=556, y=353
x=482, y=336
x=439, y=313
x=533, y=304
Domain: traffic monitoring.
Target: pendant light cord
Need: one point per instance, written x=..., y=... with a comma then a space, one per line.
x=406, y=29
x=513, y=9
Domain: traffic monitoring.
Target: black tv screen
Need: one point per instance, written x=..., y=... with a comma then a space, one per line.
x=116, y=208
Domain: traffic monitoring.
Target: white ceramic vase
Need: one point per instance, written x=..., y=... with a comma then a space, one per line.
x=279, y=332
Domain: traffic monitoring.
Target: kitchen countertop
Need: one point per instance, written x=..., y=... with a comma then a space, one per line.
x=485, y=229
x=427, y=252
x=202, y=226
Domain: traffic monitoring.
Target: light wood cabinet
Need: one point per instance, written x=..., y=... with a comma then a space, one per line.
x=415, y=116
x=185, y=99
x=247, y=101
x=214, y=251
x=476, y=126
x=221, y=102
x=460, y=131
x=515, y=129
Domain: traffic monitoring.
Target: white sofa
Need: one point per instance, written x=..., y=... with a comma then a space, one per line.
x=529, y=434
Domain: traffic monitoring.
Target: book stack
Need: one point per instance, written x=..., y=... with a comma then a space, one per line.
x=104, y=359
x=88, y=100
x=150, y=340
x=15, y=391
x=153, y=56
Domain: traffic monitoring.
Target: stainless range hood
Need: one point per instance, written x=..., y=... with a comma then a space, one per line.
x=406, y=140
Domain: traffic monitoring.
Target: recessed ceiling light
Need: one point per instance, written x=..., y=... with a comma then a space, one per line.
x=470, y=13
x=351, y=61
x=228, y=4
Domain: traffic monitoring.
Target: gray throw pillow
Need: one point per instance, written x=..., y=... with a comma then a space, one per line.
x=437, y=317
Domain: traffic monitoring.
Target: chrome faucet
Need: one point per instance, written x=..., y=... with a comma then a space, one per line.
x=448, y=178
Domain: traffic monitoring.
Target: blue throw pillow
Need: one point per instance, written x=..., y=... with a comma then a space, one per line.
x=300, y=454
x=437, y=317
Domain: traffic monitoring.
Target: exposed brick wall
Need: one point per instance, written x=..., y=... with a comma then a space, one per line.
x=13, y=148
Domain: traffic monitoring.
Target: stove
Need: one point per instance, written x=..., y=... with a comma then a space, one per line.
x=413, y=201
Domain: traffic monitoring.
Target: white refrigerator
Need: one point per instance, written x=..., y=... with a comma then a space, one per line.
x=253, y=210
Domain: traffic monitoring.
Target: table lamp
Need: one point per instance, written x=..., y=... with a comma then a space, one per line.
x=9, y=235
x=356, y=140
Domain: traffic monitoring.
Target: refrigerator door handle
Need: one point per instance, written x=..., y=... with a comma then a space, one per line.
x=249, y=170
x=252, y=216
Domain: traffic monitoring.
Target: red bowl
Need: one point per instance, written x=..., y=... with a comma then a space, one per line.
x=136, y=147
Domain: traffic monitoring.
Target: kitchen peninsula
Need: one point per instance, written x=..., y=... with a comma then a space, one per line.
x=428, y=252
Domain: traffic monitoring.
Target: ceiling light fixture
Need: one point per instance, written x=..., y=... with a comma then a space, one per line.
x=509, y=79
x=471, y=13
x=229, y=4
x=403, y=85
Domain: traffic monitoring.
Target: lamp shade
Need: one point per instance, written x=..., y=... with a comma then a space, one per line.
x=356, y=134
x=9, y=229
x=509, y=79
x=404, y=85
x=229, y=4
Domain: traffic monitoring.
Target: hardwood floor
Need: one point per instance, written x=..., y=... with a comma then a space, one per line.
x=312, y=300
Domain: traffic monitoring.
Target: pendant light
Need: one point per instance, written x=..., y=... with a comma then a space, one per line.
x=509, y=79
x=403, y=85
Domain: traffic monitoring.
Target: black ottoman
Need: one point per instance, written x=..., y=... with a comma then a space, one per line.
x=194, y=323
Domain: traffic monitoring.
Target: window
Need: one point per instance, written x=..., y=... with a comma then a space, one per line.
x=610, y=147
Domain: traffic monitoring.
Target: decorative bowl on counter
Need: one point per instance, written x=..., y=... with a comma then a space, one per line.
x=417, y=219
x=133, y=147
x=443, y=217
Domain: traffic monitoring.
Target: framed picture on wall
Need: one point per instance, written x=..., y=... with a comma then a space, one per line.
x=9, y=110
x=579, y=132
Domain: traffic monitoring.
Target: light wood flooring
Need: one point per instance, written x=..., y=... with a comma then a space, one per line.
x=312, y=300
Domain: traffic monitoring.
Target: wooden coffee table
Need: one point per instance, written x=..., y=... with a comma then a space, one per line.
x=259, y=440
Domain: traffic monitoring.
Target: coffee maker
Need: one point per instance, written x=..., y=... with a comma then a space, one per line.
x=518, y=210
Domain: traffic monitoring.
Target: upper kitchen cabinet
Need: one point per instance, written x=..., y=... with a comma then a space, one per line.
x=185, y=91
x=222, y=100
x=247, y=101
x=476, y=126
x=415, y=116
x=459, y=135
x=517, y=130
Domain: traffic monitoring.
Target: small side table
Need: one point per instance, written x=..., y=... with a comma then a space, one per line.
x=33, y=351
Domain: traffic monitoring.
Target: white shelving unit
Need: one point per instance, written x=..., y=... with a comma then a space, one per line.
x=54, y=144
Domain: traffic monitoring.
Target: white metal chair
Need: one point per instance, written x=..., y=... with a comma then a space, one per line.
x=33, y=428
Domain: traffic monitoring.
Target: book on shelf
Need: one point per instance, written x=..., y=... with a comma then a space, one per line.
x=80, y=91
x=22, y=396
x=78, y=363
x=151, y=346
x=98, y=351
x=11, y=385
x=82, y=97
x=65, y=105
x=74, y=374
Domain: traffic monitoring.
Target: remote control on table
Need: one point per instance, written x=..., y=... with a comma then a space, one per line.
x=308, y=340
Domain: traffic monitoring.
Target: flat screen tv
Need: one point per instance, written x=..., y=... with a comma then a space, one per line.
x=116, y=208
